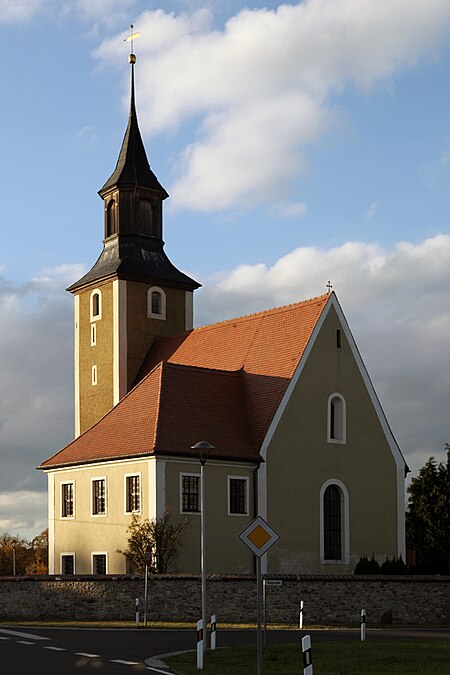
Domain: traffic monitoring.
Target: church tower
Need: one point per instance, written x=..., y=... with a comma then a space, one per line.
x=133, y=294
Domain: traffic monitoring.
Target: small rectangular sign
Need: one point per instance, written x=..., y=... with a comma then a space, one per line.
x=274, y=582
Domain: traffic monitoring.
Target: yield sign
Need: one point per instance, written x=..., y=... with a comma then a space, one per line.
x=259, y=536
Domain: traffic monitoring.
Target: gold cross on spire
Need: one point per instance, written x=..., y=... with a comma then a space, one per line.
x=131, y=38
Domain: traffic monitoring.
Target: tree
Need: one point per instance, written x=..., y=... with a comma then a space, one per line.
x=39, y=549
x=163, y=537
x=14, y=552
x=428, y=517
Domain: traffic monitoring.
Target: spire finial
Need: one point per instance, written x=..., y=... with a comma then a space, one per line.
x=329, y=286
x=131, y=38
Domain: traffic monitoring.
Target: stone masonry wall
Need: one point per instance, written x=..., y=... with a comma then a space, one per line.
x=332, y=600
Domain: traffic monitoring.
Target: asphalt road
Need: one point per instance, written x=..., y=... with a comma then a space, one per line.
x=65, y=651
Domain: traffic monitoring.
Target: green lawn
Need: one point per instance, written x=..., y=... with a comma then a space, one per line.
x=380, y=657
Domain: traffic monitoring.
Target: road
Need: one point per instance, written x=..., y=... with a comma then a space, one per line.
x=66, y=651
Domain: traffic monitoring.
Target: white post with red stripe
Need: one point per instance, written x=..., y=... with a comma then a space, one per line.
x=213, y=631
x=363, y=625
x=307, y=656
x=200, y=644
x=300, y=623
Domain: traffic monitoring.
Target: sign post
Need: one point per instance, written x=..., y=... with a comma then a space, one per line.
x=148, y=562
x=259, y=537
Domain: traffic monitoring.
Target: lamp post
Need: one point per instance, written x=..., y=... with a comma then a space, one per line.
x=204, y=450
x=14, y=559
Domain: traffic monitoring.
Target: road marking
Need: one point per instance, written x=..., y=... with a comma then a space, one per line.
x=56, y=649
x=89, y=656
x=126, y=663
x=31, y=636
x=157, y=670
x=3, y=638
x=24, y=642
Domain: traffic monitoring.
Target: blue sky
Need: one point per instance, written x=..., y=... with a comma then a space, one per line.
x=299, y=143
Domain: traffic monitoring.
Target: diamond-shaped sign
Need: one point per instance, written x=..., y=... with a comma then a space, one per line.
x=259, y=536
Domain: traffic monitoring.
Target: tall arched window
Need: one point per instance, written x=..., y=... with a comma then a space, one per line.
x=96, y=305
x=156, y=303
x=111, y=226
x=336, y=419
x=334, y=522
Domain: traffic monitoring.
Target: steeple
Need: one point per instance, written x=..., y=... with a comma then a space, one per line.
x=133, y=217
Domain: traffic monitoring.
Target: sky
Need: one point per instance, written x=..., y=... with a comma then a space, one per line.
x=299, y=142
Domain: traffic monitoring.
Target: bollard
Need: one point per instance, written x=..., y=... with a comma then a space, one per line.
x=363, y=625
x=213, y=631
x=137, y=612
x=300, y=623
x=200, y=644
x=307, y=656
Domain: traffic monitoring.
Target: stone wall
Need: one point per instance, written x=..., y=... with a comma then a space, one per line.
x=332, y=600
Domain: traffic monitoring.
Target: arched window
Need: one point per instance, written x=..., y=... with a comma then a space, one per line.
x=156, y=303
x=96, y=305
x=336, y=419
x=111, y=227
x=334, y=522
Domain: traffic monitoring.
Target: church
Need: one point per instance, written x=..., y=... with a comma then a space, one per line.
x=298, y=433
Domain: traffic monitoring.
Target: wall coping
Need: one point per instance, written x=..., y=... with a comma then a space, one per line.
x=348, y=578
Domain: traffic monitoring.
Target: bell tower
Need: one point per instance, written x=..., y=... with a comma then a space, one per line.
x=133, y=294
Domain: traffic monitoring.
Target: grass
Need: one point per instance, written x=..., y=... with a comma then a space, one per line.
x=381, y=657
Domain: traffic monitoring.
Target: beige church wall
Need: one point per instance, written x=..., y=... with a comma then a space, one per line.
x=86, y=533
x=300, y=461
x=141, y=329
x=225, y=552
x=95, y=400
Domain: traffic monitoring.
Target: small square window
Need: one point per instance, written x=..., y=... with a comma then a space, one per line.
x=237, y=496
x=67, y=563
x=190, y=493
x=99, y=563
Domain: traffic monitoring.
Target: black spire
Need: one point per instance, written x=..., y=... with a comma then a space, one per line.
x=132, y=167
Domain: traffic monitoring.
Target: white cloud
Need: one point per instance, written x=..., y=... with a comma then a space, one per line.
x=260, y=88
x=16, y=11
x=373, y=208
x=292, y=210
x=397, y=302
x=23, y=512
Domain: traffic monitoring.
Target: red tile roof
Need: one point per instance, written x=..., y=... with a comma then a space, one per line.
x=222, y=383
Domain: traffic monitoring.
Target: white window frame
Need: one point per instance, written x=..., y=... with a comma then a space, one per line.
x=94, y=375
x=345, y=524
x=192, y=513
x=66, y=482
x=331, y=439
x=162, y=315
x=64, y=554
x=93, y=334
x=244, y=478
x=125, y=492
x=105, y=553
x=98, y=316
x=99, y=515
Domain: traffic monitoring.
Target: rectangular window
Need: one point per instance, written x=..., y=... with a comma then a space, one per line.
x=93, y=334
x=99, y=563
x=94, y=375
x=190, y=493
x=99, y=496
x=133, y=494
x=237, y=495
x=67, y=563
x=338, y=339
x=67, y=509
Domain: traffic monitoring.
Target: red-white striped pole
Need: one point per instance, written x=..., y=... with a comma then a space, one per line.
x=200, y=644
x=213, y=631
x=307, y=656
x=363, y=625
x=300, y=623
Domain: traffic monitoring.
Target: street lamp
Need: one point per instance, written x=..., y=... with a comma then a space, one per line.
x=204, y=450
